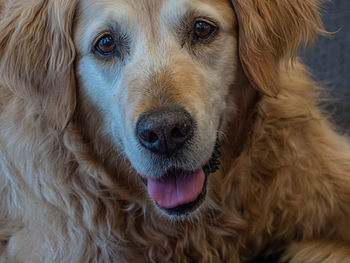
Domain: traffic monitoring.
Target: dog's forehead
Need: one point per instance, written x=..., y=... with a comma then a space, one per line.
x=145, y=12
x=148, y=20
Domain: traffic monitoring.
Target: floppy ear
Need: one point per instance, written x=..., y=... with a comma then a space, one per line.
x=37, y=55
x=270, y=31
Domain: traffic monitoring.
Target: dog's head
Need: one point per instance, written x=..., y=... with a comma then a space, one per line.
x=156, y=79
x=161, y=72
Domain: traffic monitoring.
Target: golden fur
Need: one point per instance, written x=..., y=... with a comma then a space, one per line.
x=284, y=182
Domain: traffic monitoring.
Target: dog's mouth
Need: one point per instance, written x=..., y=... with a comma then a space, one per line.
x=180, y=192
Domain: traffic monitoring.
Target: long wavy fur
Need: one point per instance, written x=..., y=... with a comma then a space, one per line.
x=60, y=201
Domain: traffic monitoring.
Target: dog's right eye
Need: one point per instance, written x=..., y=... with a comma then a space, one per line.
x=203, y=30
x=106, y=45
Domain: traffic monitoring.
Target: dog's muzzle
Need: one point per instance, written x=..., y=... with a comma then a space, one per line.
x=167, y=132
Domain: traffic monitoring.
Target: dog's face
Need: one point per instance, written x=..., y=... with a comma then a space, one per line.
x=152, y=80
x=160, y=73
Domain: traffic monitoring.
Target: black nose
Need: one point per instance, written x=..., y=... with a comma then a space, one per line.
x=166, y=130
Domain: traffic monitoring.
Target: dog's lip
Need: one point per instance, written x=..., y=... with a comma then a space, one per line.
x=211, y=166
x=172, y=169
x=194, y=202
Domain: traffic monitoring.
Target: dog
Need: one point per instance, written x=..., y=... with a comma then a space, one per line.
x=166, y=131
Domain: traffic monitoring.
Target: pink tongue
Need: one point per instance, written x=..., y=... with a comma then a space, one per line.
x=173, y=190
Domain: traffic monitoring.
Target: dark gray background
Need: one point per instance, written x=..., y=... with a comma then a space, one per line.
x=329, y=60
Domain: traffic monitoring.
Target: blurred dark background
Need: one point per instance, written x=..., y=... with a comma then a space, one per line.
x=329, y=60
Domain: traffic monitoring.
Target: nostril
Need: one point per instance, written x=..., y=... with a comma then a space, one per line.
x=148, y=136
x=181, y=131
x=176, y=133
x=152, y=137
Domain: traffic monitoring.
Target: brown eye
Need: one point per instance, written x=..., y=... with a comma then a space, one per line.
x=106, y=45
x=203, y=30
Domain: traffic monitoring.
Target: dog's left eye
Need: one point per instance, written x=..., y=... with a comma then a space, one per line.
x=106, y=45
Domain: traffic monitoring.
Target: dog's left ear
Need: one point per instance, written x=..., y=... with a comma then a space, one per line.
x=272, y=31
x=37, y=55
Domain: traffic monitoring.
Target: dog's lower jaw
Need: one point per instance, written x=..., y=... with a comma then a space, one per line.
x=186, y=208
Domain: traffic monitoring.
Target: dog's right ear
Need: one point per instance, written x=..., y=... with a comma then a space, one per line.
x=270, y=31
x=37, y=55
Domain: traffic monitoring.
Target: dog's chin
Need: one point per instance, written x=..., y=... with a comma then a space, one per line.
x=179, y=192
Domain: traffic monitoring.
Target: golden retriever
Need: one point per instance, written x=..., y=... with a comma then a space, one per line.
x=166, y=131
